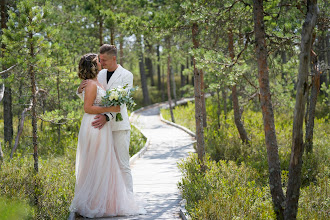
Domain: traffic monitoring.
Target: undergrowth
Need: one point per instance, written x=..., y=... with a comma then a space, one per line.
x=235, y=184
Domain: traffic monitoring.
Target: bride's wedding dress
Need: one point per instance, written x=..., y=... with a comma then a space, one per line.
x=100, y=188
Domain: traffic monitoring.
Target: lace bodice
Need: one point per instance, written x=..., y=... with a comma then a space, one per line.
x=99, y=94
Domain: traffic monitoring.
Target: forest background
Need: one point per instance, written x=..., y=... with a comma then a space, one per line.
x=257, y=59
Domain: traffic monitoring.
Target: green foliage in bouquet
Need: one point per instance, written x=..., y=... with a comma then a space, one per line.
x=119, y=96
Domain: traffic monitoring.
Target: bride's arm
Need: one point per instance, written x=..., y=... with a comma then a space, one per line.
x=90, y=95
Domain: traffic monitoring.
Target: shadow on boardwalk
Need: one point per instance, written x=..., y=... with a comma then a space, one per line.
x=156, y=174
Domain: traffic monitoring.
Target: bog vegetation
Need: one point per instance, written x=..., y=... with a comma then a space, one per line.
x=235, y=183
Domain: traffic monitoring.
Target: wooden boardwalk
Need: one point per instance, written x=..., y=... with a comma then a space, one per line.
x=155, y=173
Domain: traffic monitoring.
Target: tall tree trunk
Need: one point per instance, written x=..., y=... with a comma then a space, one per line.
x=237, y=114
x=121, y=50
x=149, y=70
x=43, y=103
x=163, y=84
x=146, y=99
x=218, y=108
x=101, y=32
x=34, y=104
x=224, y=98
x=148, y=60
x=187, y=82
x=294, y=182
x=158, y=69
x=183, y=80
x=58, y=81
x=7, y=114
x=321, y=54
x=203, y=99
x=1, y=156
x=198, y=99
x=100, y=25
x=321, y=46
x=7, y=98
x=112, y=35
x=327, y=43
x=284, y=61
x=201, y=75
x=312, y=104
x=267, y=110
x=173, y=86
x=169, y=78
x=193, y=75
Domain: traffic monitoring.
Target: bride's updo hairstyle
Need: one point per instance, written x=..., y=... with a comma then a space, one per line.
x=88, y=66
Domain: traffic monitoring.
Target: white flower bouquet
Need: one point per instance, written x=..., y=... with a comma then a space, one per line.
x=119, y=96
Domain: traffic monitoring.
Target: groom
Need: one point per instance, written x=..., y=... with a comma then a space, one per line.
x=111, y=76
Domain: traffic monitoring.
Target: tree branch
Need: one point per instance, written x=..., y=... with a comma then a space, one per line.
x=21, y=124
x=250, y=82
x=230, y=7
x=8, y=70
x=250, y=98
x=245, y=46
x=53, y=121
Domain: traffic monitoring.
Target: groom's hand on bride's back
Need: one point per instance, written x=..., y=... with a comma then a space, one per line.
x=100, y=121
x=82, y=85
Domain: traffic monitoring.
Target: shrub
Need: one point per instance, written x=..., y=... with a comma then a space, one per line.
x=49, y=192
x=224, y=191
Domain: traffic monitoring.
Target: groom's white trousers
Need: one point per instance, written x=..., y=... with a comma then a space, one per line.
x=121, y=141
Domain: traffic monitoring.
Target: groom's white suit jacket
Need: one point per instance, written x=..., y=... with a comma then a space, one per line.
x=120, y=77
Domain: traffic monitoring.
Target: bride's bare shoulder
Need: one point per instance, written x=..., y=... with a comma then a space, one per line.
x=91, y=85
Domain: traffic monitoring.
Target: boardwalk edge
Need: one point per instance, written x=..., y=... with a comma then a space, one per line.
x=147, y=144
x=72, y=216
x=183, y=212
x=143, y=150
x=178, y=126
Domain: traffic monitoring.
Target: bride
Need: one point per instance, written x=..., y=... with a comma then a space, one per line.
x=100, y=189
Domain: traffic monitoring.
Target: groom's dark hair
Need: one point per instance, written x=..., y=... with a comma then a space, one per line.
x=111, y=50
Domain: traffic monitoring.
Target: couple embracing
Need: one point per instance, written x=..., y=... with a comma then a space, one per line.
x=104, y=185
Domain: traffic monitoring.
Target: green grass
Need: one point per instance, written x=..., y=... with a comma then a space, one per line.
x=14, y=209
x=188, y=111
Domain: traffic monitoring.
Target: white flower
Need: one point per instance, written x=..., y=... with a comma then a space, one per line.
x=116, y=96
